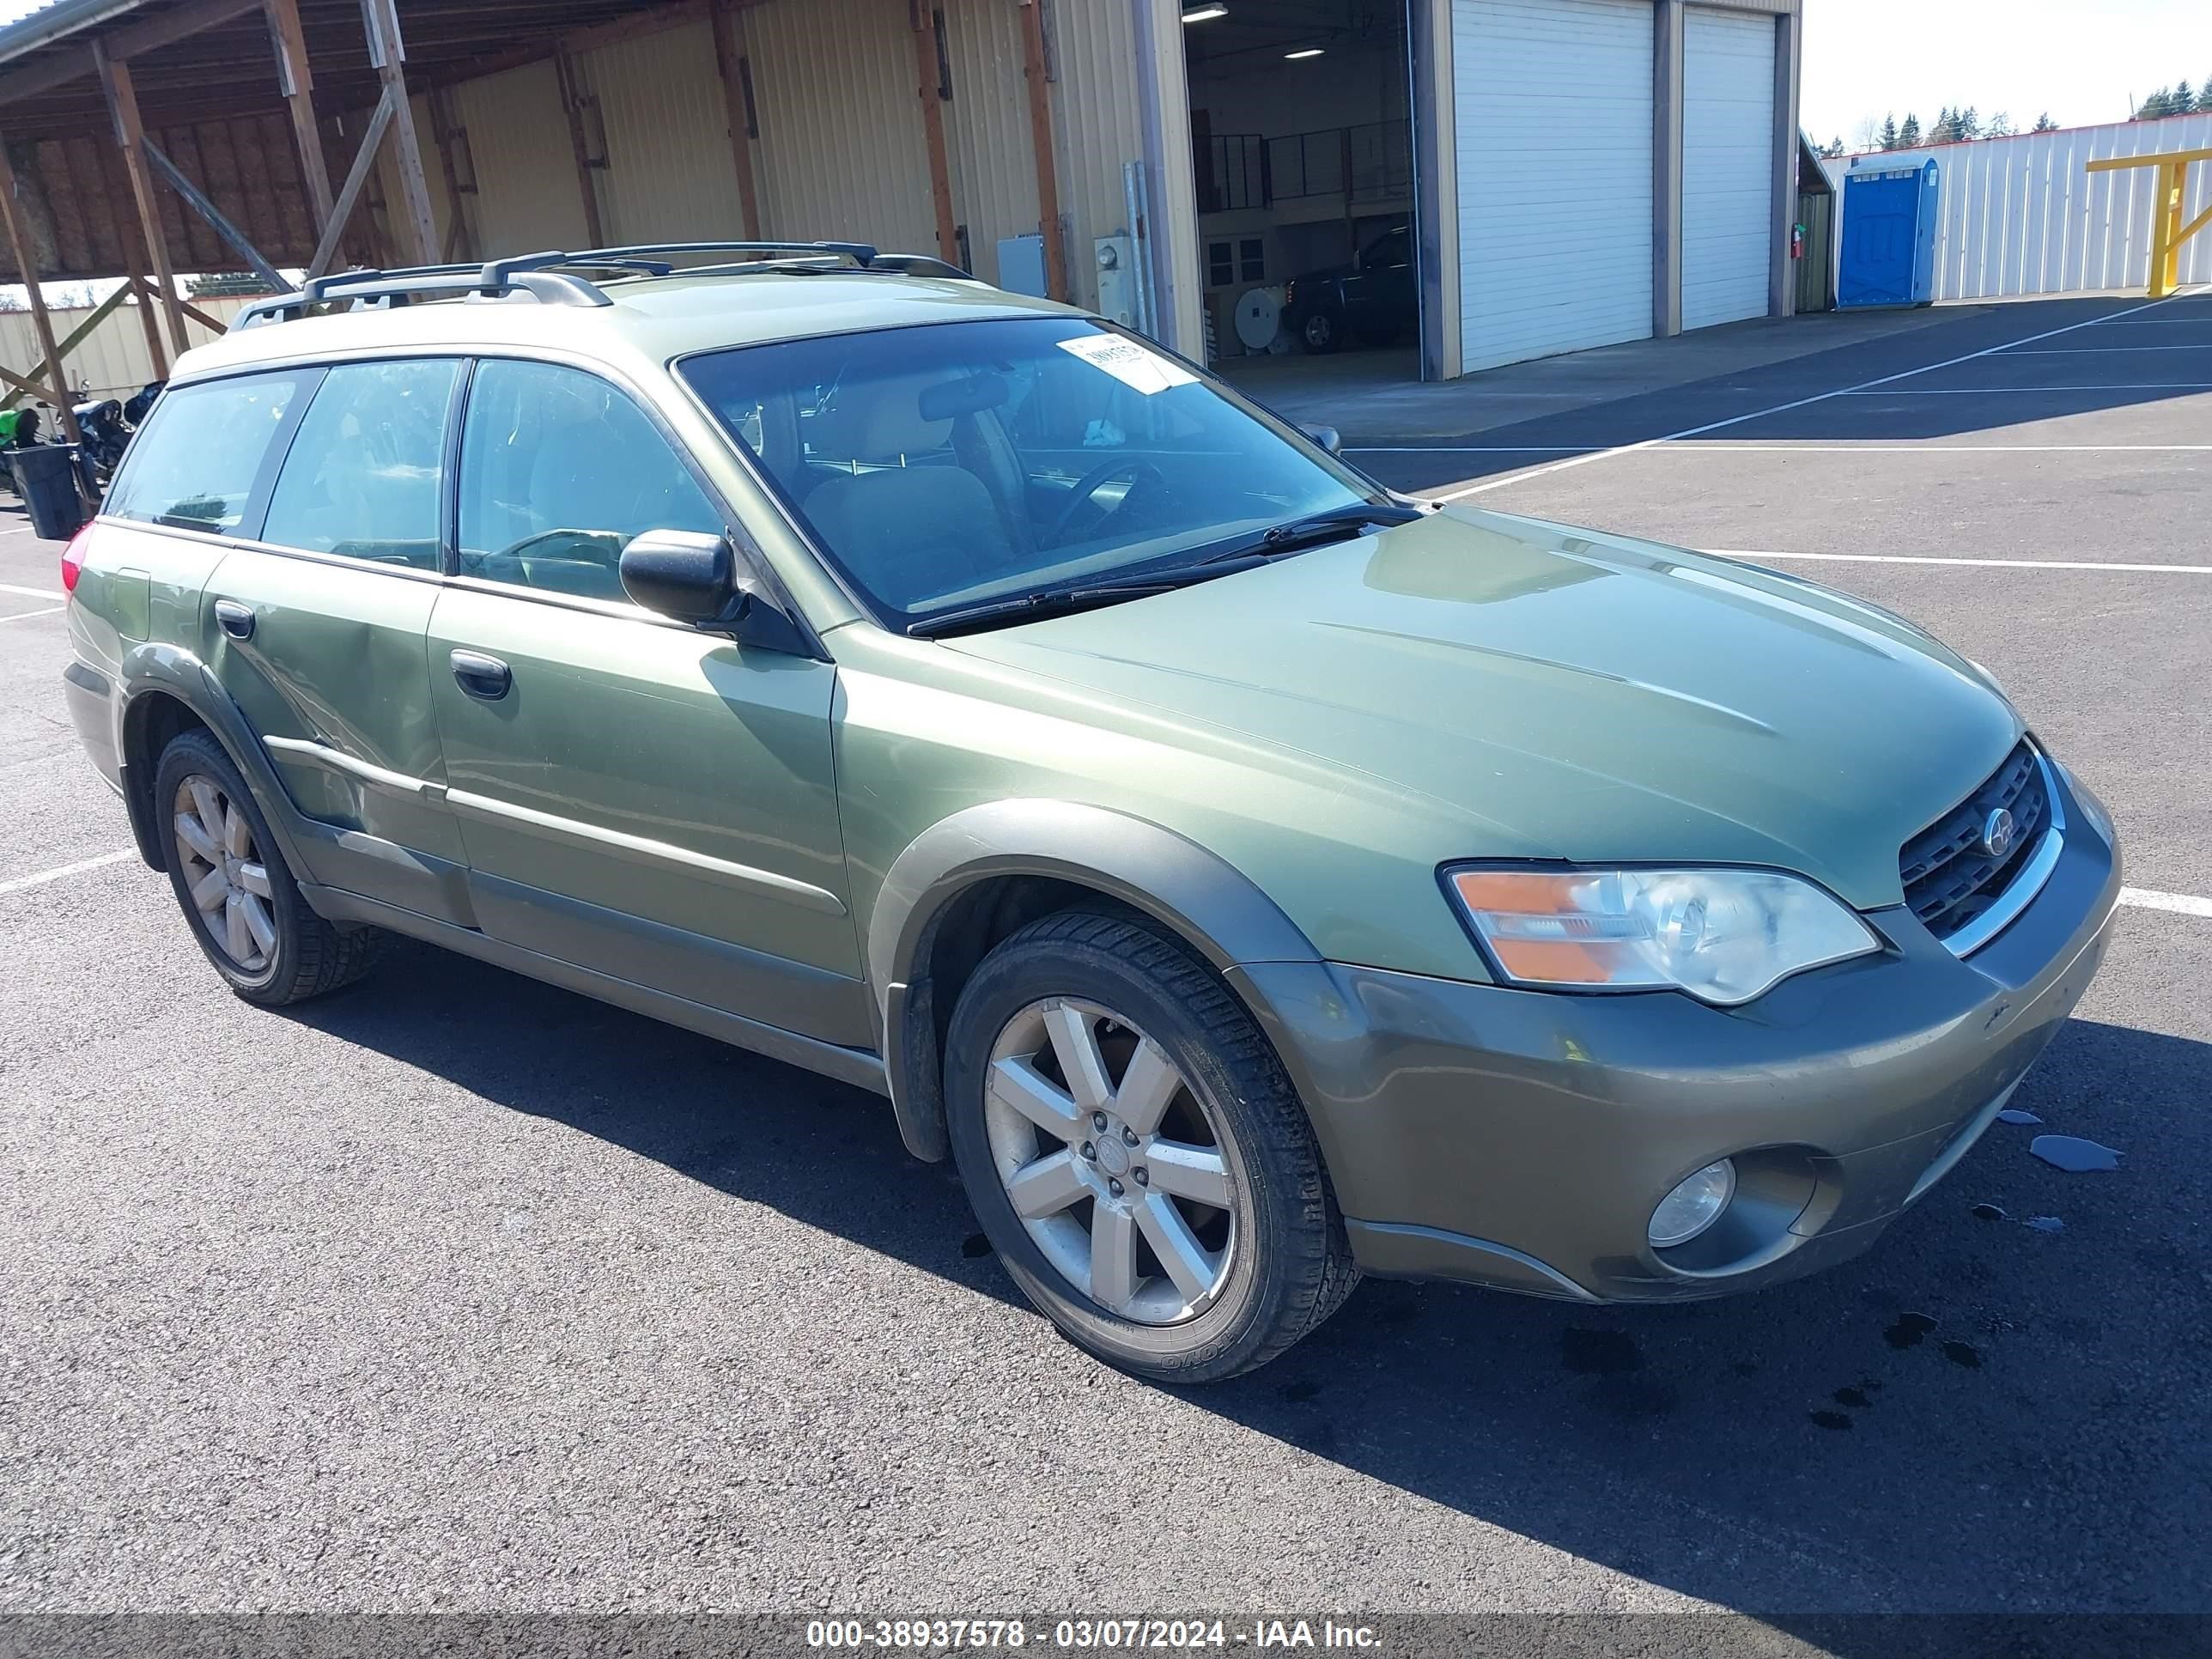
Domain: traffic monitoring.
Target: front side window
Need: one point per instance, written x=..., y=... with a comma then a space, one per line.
x=194, y=463
x=559, y=469
x=941, y=465
x=1387, y=252
x=362, y=477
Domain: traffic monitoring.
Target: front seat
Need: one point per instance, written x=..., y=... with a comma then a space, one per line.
x=916, y=524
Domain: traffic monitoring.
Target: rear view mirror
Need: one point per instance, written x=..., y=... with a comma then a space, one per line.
x=1326, y=436
x=682, y=573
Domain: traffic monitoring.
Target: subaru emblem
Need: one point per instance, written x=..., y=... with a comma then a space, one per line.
x=1998, y=831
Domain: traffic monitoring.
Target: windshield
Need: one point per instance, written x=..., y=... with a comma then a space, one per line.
x=953, y=463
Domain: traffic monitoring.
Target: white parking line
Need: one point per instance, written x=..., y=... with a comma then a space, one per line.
x=1758, y=556
x=50, y=610
x=1725, y=447
x=32, y=593
x=24, y=884
x=1528, y=473
x=2015, y=391
x=2100, y=351
x=2147, y=898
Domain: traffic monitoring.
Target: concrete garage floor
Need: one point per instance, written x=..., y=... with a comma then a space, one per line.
x=459, y=1292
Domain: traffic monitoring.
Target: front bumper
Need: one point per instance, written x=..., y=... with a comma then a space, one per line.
x=1520, y=1139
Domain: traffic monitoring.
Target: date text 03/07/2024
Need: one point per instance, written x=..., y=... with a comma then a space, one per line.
x=1088, y=1634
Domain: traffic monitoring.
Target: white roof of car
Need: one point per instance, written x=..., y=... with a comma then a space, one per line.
x=649, y=320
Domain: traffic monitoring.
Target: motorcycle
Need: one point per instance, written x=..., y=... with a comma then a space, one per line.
x=104, y=433
x=107, y=424
x=140, y=404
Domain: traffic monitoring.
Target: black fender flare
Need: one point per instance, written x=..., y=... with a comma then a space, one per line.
x=173, y=672
x=1204, y=900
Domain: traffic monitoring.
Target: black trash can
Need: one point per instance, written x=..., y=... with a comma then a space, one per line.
x=45, y=477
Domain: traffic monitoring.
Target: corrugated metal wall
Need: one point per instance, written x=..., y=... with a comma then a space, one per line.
x=2022, y=216
x=669, y=176
x=111, y=361
x=1100, y=122
x=527, y=195
x=986, y=129
x=841, y=150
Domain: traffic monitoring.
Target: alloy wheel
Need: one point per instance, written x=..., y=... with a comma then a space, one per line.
x=224, y=872
x=1114, y=1165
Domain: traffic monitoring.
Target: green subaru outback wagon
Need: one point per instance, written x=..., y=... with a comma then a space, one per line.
x=1249, y=877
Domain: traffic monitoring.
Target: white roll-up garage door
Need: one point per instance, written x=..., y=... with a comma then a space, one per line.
x=1727, y=165
x=1553, y=105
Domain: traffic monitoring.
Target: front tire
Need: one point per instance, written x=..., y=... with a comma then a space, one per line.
x=1322, y=332
x=239, y=897
x=1136, y=1154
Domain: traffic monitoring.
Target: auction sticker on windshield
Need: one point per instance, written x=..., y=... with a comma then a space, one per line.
x=1128, y=362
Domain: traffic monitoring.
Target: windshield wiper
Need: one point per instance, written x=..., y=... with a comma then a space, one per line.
x=1316, y=530
x=1312, y=531
x=1059, y=601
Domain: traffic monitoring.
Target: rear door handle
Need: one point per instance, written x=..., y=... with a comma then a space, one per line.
x=235, y=619
x=482, y=677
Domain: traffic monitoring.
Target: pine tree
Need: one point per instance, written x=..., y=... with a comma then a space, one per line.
x=2204, y=96
x=1940, y=133
x=1835, y=146
x=2158, y=103
x=1908, y=135
x=1889, y=133
x=1966, y=124
x=2045, y=124
x=1998, y=126
x=2183, y=99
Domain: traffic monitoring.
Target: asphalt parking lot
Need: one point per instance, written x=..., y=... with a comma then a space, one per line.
x=456, y=1291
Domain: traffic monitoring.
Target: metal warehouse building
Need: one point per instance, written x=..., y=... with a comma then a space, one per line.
x=1535, y=176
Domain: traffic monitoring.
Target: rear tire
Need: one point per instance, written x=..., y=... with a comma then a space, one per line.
x=1324, y=331
x=238, y=896
x=1195, y=1235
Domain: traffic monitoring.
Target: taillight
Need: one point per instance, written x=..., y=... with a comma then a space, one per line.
x=73, y=559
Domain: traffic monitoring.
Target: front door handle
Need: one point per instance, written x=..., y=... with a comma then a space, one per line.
x=235, y=619
x=482, y=677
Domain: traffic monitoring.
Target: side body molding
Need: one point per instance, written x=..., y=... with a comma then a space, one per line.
x=1199, y=894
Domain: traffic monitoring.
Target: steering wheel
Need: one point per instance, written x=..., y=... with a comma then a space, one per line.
x=1090, y=483
x=595, y=539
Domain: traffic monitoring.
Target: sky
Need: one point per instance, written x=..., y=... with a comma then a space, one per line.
x=2082, y=60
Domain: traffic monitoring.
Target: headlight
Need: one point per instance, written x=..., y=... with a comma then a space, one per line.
x=1724, y=936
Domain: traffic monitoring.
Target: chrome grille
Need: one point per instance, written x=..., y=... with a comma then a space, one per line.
x=1949, y=879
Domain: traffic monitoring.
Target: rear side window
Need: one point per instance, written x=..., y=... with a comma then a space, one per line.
x=195, y=463
x=559, y=469
x=362, y=477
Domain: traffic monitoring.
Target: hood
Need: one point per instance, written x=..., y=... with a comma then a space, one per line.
x=1567, y=694
x=1326, y=274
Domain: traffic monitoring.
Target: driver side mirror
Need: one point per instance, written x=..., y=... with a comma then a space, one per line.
x=682, y=573
x=1327, y=436
x=694, y=577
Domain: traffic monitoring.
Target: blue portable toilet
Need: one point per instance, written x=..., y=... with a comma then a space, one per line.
x=1888, y=255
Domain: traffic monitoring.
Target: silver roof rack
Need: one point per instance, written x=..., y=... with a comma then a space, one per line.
x=552, y=277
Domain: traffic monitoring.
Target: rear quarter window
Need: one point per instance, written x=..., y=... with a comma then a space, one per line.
x=195, y=464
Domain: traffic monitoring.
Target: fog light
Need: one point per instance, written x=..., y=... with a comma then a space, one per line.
x=1692, y=1206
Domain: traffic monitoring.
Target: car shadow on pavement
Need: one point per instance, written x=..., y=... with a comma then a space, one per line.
x=1947, y=1419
